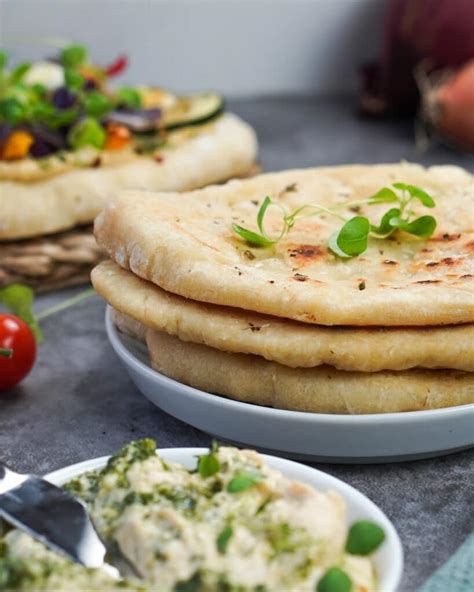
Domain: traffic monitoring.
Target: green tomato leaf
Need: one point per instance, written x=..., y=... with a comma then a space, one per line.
x=73, y=56
x=416, y=193
x=364, y=538
x=422, y=227
x=12, y=111
x=384, y=195
x=208, y=464
x=252, y=238
x=385, y=228
x=224, y=538
x=334, y=580
x=96, y=104
x=19, y=300
x=352, y=237
x=243, y=481
x=73, y=79
x=130, y=97
x=88, y=132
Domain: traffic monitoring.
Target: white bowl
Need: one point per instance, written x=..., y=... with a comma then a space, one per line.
x=383, y=437
x=388, y=559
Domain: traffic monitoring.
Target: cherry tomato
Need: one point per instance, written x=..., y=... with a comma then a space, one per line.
x=18, y=350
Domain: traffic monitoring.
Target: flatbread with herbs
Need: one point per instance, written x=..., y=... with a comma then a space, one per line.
x=185, y=244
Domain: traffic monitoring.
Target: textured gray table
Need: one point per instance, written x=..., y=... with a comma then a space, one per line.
x=79, y=403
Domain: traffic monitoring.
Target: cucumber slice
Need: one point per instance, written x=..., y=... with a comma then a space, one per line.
x=192, y=110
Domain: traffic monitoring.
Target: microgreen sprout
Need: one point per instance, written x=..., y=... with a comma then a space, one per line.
x=352, y=238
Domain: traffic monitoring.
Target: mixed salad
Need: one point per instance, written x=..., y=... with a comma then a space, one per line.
x=50, y=108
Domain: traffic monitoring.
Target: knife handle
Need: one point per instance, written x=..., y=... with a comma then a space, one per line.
x=9, y=479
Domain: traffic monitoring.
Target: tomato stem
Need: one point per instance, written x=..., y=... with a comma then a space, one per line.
x=6, y=352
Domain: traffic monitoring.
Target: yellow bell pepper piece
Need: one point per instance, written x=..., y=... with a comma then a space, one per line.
x=118, y=136
x=16, y=146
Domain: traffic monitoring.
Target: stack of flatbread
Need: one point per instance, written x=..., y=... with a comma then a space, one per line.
x=292, y=325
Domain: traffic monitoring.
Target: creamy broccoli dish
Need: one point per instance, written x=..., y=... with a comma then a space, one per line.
x=231, y=525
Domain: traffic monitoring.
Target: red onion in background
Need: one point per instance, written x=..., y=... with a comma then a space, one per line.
x=447, y=107
x=439, y=33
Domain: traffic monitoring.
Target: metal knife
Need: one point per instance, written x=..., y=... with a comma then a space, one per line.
x=50, y=515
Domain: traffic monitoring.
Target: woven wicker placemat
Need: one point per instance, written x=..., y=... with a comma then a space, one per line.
x=58, y=260
x=50, y=262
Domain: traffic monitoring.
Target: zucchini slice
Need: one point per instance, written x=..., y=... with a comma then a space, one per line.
x=192, y=110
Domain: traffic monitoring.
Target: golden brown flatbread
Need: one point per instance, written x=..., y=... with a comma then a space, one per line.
x=323, y=389
x=287, y=342
x=184, y=244
x=34, y=201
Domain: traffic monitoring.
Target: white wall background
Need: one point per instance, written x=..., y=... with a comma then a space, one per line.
x=242, y=47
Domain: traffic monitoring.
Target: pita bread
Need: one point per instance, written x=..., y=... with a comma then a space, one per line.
x=30, y=206
x=318, y=390
x=184, y=244
x=287, y=342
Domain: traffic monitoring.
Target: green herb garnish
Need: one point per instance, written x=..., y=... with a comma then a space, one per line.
x=129, y=97
x=242, y=481
x=224, y=538
x=12, y=111
x=334, y=580
x=88, y=132
x=97, y=104
x=352, y=238
x=364, y=538
x=280, y=539
x=73, y=79
x=6, y=352
x=73, y=56
x=19, y=72
x=208, y=464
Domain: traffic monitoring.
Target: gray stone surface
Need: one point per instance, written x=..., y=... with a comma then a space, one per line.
x=79, y=403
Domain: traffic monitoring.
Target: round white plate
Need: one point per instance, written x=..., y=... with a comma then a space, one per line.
x=384, y=437
x=388, y=559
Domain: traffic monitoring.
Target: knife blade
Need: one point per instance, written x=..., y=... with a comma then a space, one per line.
x=50, y=515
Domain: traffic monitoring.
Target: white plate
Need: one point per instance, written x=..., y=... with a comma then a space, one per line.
x=388, y=559
x=384, y=437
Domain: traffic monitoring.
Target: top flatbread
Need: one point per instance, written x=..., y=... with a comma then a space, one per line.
x=31, y=206
x=184, y=244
